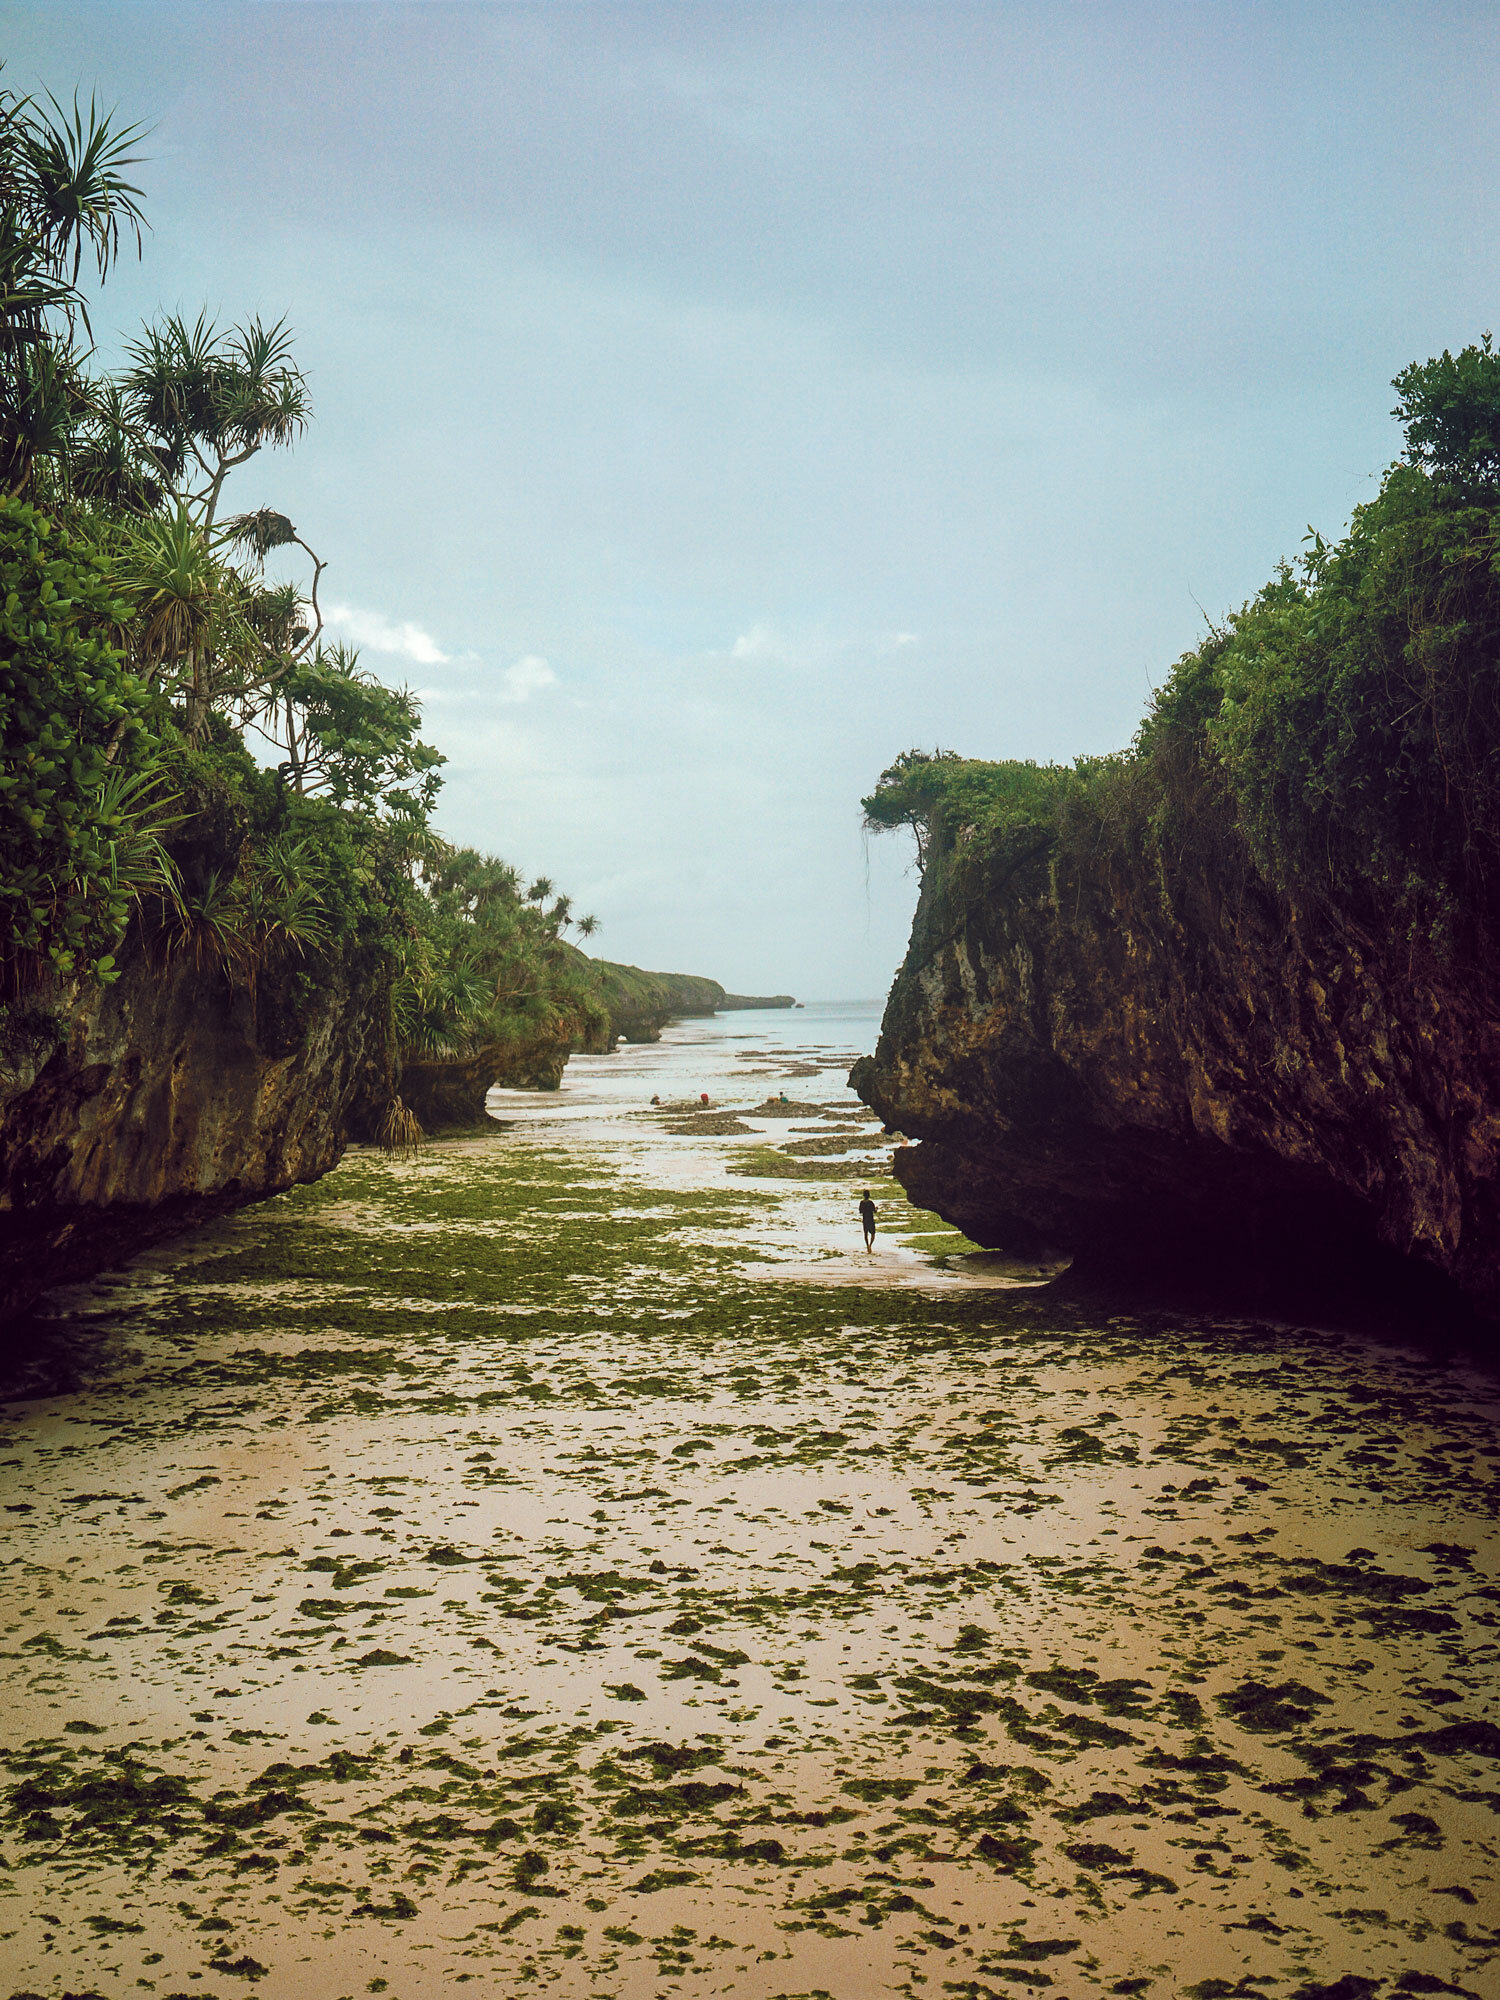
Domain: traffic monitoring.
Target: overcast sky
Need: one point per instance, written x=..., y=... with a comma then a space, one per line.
x=714, y=400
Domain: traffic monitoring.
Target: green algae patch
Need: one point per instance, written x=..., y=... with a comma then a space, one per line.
x=771, y=1617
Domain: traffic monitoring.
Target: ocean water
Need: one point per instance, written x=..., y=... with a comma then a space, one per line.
x=710, y=1053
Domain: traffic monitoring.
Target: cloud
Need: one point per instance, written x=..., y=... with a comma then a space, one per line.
x=811, y=649
x=381, y=635
x=759, y=643
x=527, y=676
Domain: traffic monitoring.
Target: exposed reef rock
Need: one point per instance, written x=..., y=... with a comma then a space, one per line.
x=131, y=1111
x=1240, y=1091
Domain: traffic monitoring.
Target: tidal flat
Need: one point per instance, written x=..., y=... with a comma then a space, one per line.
x=559, y=1561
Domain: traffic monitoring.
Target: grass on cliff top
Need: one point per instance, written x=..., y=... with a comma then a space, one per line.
x=1334, y=736
x=627, y=989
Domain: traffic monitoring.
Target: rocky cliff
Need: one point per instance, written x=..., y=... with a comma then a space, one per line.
x=1196, y=1083
x=130, y=1111
x=626, y=1004
x=447, y=1093
x=641, y=1003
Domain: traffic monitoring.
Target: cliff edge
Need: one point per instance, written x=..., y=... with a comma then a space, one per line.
x=134, y=1110
x=641, y=1003
x=612, y=1003
x=1223, y=1009
x=1229, y=1094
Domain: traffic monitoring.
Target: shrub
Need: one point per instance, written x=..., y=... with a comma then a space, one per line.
x=79, y=823
x=1339, y=735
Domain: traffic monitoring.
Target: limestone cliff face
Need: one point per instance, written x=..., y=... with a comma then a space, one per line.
x=1238, y=1087
x=640, y=1004
x=131, y=1111
x=626, y=1004
x=448, y=1093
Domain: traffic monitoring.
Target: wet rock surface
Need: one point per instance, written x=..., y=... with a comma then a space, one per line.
x=476, y=1569
x=449, y=1093
x=142, y=1108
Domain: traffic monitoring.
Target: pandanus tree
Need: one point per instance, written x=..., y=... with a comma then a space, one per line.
x=196, y=403
x=488, y=962
x=156, y=446
x=109, y=468
x=133, y=604
x=63, y=195
x=183, y=605
x=151, y=451
x=209, y=401
x=79, y=832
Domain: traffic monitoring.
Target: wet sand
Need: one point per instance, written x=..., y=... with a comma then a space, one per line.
x=565, y=1561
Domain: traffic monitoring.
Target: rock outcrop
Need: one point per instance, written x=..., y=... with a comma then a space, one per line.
x=752, y=1003
x=641, y=1003
x=131, y=1111
x=1240, y=1091
x=447, y=1093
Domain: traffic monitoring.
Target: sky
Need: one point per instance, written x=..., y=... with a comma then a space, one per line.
x=714, y=400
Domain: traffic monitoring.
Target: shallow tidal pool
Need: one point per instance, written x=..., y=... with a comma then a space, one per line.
x=556, y=1562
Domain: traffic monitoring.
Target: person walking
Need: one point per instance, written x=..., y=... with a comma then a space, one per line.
x=867, y=1220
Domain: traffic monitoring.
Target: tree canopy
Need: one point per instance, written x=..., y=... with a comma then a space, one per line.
x=1339, y=734
x=1450, y=407
x=144, y=649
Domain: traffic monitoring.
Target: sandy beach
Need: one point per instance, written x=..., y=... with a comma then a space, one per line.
x=564, y=1560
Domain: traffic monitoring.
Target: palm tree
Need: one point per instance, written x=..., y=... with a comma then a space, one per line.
x=182, y=605
x=209, y=401
x=62, y=190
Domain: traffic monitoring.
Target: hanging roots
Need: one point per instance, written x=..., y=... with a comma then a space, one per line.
x=399, y=1130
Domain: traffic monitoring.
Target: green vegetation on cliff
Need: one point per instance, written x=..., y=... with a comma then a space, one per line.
x=490, y=990
x=73, y=851
x=1339, y=735
x=179, y=748
x=639, y=1002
